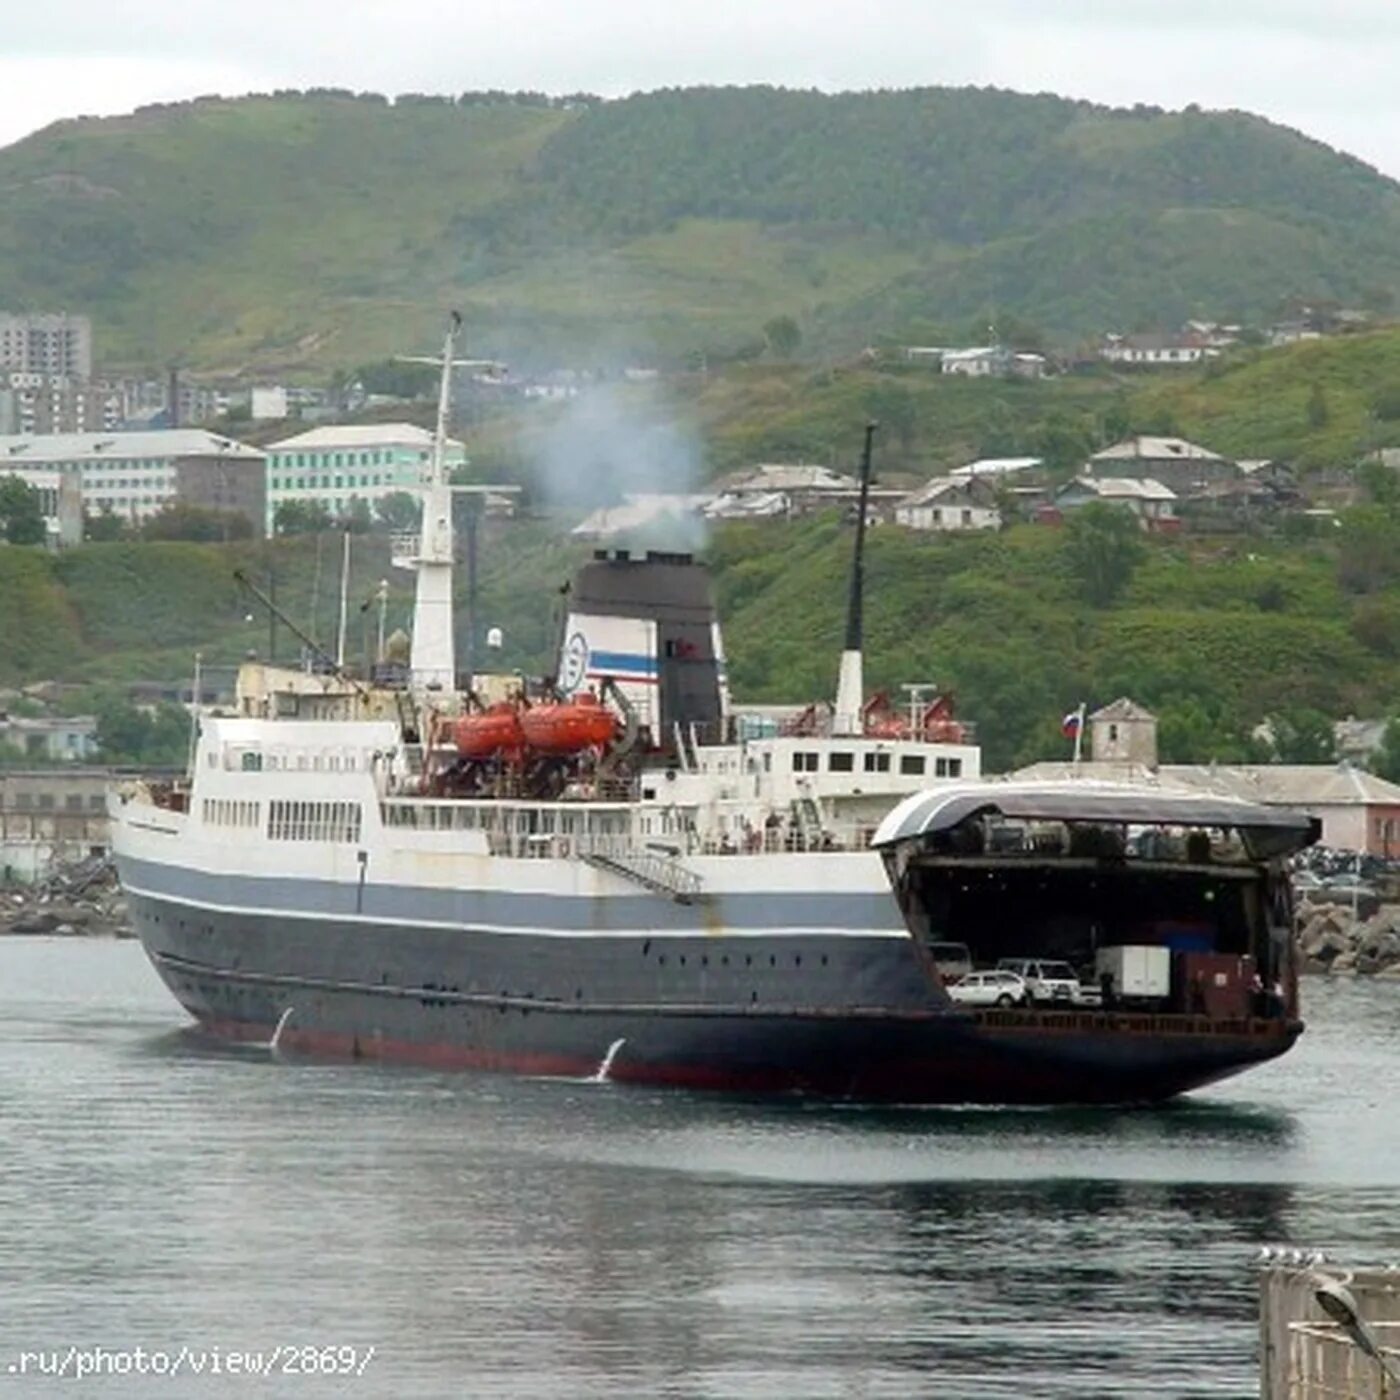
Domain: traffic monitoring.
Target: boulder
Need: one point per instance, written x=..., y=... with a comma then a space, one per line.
x=35, y=921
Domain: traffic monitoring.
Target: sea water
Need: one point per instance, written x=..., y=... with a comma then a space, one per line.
x=351, y=1229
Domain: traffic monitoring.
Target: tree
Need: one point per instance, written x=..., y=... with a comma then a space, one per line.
x=1381, y=482
x=104, y=527
x=783, y=336
x=300, y=518
x=1302, y=735
x=355, y=517
x=20, y=513
x=1385, y=762
x=149, y=738
x=1062, y=441
x=397, y=512
x=1103, y=545
x=178, y=521
x=892, y=406
x=1318, y=414
x=1368, y=554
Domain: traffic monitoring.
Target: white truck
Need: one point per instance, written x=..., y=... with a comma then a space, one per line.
x=1138, y=971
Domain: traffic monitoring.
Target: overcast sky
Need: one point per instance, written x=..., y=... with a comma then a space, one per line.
x=1326, y=67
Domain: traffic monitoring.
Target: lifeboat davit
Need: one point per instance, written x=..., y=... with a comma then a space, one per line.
x=569, y=727
x=489, y=732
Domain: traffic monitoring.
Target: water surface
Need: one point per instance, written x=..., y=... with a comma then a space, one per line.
x=494, y=1236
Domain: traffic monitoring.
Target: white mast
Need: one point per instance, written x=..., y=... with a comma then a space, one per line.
x=433, y=659
x=344, y=600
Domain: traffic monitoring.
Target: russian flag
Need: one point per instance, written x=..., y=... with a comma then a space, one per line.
x=1072, y=724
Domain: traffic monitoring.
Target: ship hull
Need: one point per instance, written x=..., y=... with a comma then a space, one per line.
x=841, y=1016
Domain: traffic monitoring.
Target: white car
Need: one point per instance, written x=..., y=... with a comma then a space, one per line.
x=1047, y=981
x=996, y=988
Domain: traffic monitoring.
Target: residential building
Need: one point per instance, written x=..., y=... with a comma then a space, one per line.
x=267, y=402
x=1158, y=349
x=1184, y=466
x=951, y=503
x=1153, y=503
x=978, y=361
x=136, y=475
x=46, y=342
x=337, y=465
x=51, y=738
x=48, y=815
x=35, y=402
x=781, y=489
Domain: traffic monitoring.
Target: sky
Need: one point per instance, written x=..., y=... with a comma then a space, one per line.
x=1324, y=67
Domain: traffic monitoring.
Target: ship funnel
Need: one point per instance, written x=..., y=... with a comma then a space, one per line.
x=649, y=626
x=850, y=684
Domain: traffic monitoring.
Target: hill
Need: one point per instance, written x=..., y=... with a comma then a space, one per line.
x=1215, y=637
x=317, y=231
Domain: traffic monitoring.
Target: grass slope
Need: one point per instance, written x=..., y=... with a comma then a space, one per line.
x=1214, y=637
x=315, y=232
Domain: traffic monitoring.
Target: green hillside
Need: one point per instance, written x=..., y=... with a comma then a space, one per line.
x=1215, y=637
x=313, y=232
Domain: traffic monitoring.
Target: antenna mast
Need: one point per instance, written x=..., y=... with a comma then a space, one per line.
x=850, y=686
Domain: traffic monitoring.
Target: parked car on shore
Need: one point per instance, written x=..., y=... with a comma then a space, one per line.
x=992, y=988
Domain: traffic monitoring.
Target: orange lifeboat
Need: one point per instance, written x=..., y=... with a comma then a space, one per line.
x=489, y=732
x=569, y=727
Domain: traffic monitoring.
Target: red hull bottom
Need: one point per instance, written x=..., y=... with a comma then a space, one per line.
x=964, y=1066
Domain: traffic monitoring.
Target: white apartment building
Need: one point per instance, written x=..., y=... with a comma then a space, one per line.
x=135, y=475
x=361, y=461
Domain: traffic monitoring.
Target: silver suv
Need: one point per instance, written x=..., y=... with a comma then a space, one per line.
x=1048, y=981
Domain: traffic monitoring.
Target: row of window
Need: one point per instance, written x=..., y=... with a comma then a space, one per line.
x=44, y=802
x=314, y=821
x=375, y=458
x=324, y=483
x=128, y=464
x=254, y=761
x=227, y=811
x=504, y=820
x=875, y=761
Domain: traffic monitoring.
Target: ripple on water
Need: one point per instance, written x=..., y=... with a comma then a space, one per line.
x=511, y=1237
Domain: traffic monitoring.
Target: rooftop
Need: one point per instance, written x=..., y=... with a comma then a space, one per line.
x=941, y=486
x=20, y=449
x=1123, y=709
x=362, y=435
x=998, y=466
x=1156, y=449
x=781, y=476
x=1125, y=488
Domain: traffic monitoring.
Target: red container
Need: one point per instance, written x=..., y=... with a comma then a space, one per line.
x=1218, y=985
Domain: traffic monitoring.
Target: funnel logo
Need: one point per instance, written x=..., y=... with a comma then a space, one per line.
x=573, y=664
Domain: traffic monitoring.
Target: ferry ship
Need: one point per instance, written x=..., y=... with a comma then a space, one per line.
x=617, y=876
